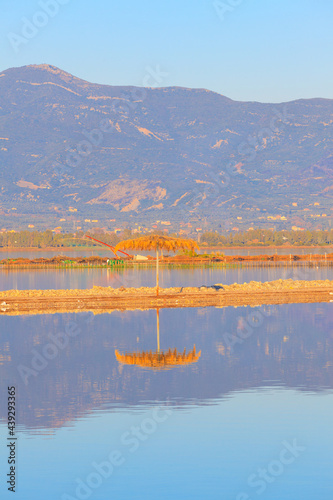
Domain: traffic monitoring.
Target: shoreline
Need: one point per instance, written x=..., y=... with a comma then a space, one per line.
x=45, y=249
x=106, y=299
x=177, y=261
x=204, y=247
x=262, y=247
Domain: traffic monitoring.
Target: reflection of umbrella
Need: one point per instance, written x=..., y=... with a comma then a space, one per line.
x=158, y=359
x=154, y=242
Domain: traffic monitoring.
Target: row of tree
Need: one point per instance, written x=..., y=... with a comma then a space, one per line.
x=45, y=239
x=257, y=237
x=49, y=239
x=265, y=237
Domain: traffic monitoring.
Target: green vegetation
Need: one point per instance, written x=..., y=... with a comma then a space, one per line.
x=39, y=239
x=264, y=237
x=257, y=237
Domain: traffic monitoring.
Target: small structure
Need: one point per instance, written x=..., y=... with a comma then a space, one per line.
x=155, y=242
x=140, y=257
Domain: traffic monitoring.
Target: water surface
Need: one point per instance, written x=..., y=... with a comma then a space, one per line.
x=262, y=386
x=104, y=252
x=24, y=279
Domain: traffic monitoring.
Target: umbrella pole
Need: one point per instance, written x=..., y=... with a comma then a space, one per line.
x=157, y=272
x=158, y=329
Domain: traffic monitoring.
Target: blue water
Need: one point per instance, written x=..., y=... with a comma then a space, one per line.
x=251, y=418
x=24, y=279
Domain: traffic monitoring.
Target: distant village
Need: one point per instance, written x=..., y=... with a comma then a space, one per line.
x=312, y=217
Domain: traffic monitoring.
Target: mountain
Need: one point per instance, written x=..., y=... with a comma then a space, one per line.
x=106, y=152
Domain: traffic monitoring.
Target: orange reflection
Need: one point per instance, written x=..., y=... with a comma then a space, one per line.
x=158, y=359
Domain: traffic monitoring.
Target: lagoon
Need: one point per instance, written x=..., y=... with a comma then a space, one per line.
x=80, y=278
x=203, y=430
x=103, y=252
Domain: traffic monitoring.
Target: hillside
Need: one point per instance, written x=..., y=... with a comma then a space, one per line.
x=68, y=147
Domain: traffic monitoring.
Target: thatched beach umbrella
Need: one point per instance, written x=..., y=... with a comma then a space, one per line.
x=158, y=359
x=154, y=242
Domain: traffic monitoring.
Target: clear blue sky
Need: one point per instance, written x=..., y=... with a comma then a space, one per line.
x=263, y=50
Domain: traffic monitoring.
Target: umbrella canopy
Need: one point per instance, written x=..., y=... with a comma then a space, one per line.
x=158, y=360
x=155, y=242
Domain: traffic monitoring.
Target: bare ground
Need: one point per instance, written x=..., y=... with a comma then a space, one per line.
x=104, y=299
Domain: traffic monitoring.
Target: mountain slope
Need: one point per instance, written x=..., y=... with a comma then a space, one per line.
x=119, y=151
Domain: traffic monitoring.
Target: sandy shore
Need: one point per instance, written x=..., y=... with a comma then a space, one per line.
x=104, y=299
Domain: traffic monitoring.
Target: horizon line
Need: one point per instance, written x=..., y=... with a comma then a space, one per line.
x=41, y=65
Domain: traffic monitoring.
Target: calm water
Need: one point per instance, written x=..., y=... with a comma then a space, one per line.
x=87, y=278
x=100, y=251
x=251, y=418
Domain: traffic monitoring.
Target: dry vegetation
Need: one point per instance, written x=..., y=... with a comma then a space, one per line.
x=101, y=300
x=217, y=259
x=99, y=291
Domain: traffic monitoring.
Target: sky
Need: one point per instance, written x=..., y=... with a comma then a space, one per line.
x=248, y=50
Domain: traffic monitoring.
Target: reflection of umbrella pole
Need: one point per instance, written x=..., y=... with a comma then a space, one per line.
x=158, y=329
x=157, y=271
x=158, y=359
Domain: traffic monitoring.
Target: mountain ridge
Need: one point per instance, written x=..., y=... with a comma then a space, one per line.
x=221, y=158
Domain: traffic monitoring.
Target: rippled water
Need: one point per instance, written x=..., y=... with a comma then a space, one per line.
x=250, y=418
